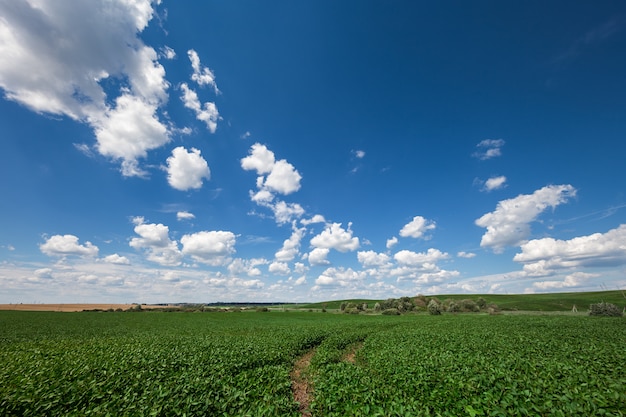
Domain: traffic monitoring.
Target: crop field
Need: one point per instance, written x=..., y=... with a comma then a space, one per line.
x=251, y=364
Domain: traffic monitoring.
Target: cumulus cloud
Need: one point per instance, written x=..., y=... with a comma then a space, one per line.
x=392, y=242
x=417, y=227
x=206, y=113
x=339, y=276
x=291, y=246
x=155, y=241
x=60, y=54
x=489, y=148
x=359, y=154
x=65, y=245
x=186, y=170
x=283, y=178
x=544, y=256
x=209, y=247
x=318, y=218
x=247, y=267
x=509, y=224
x=201, y=75
x=185, y=215
x=336, y=237
x=467, y=255
x=318, y=256
x=371, y=258
x=260, y=159
x=286, y=212
x=422, y=259
x=116, y=259
x=280, y=268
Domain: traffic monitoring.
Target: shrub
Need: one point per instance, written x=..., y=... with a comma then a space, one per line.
x=482, y=303
x=605, y=309
x=343, y=305
x=469, y=306
x=377, y=307
x=262, y=309
x=391, y=312
x=434, y=307
x=453, y=307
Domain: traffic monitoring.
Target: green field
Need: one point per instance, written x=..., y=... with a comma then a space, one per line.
x=239, y=364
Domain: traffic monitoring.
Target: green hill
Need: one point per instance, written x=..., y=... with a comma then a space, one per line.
x=510, y=302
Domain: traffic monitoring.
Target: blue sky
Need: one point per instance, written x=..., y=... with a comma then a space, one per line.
x=302, y=151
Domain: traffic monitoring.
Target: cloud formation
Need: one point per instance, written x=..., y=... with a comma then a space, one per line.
x=417, y=228
x=62, y=52
x=186, y=170
x=509, y=223
x=64, y=245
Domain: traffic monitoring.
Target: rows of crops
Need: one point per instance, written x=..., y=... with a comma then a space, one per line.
x=238, y=364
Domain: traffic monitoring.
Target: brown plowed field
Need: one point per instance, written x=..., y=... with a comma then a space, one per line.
x=69, y=307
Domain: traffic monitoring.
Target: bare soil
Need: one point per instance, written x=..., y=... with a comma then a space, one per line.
x=300, y=384
x=70, y=307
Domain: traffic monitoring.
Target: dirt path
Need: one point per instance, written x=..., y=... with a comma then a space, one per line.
x=350, y=355
x=300, y=384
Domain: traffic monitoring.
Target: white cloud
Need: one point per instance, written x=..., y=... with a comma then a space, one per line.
x=494, y=183
x=283, y=178
x=318, y=256
x=206, y=113
x=392, y=242
x=201, y=75
x=291, y=246
x=116, y=259
x=186, y=170
x=509, y=224
x=359, y=154
x=371, y=258
x=185, y=215
x=286, y=212
x=339, y=276
x=259, y=159
x=64, y=245
x=128, y=131
x=246, y=267
x=544, y=256
x=417, y=227
x=280, y=268
x=573, y=280
x=155, y=240
x=210, y=247
x=467, y=255
x=421, y=259
x=61, y=52
x=335, y=237
x=489, y=148
x=318, y=218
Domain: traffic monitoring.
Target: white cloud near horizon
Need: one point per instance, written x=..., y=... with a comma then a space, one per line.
x=186, y=170
x=546, y=255
x=509, y=223
x=155, y=241
x=60, y=54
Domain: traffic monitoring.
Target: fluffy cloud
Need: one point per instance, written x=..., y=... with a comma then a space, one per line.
x=543, y=256
x=509, y=224
x=467, y=255
x=116, y=259
x=392, y=242
x=206, y=113
x=155, y=241
x=246, y=266
x=212, y=247
x=280, y=268
x=489, y=148
x=339, y=276
x=291, y=246
x=422, y=259
x=286, y=212
x=371, y=258
x=60, y=54
x=335, y=237
x=201, y=75
x=318, y=218
x=417, y=227
x=284, y=178
x=318, y=256
x=260, y=159
x=64, y=245
x=186, y=170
